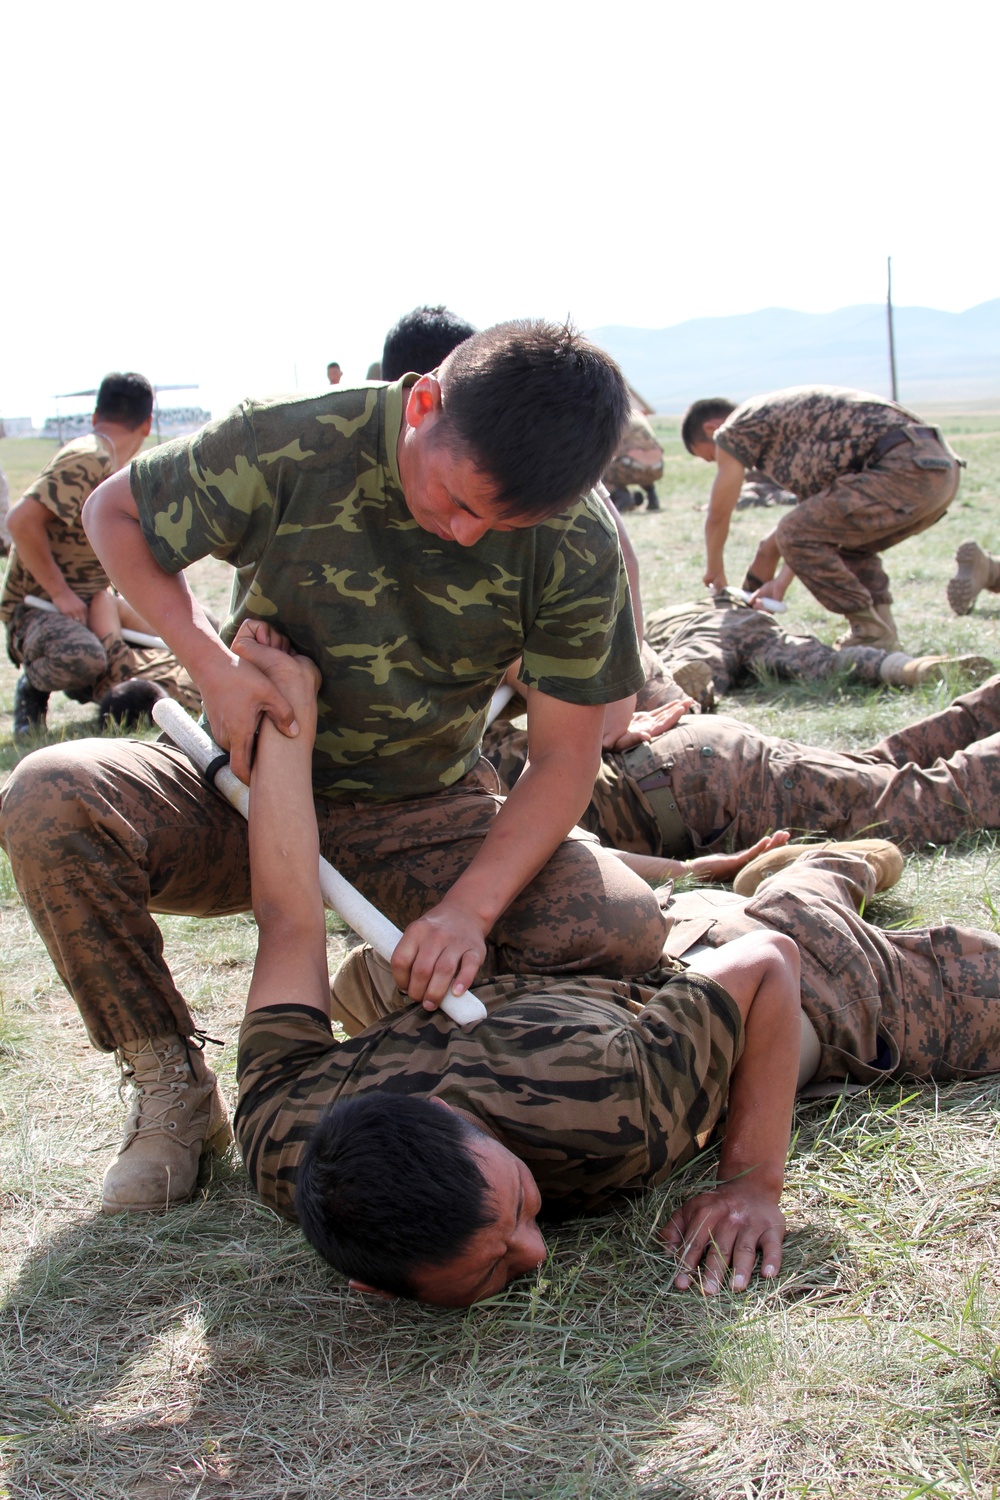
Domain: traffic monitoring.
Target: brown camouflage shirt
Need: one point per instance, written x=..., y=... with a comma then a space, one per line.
x=804, y=438
x=599, y=1085
x=62, y=487
x=411, y=633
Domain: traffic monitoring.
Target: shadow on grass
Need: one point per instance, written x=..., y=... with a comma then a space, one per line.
x=209, y=1350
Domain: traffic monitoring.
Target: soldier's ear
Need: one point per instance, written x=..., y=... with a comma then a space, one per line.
x=423, y=400
x=370, y=1291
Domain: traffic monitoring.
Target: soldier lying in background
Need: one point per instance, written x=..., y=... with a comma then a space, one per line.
x=758, y=490
x=417, y=1155
x=713, y=645
x=703, y=783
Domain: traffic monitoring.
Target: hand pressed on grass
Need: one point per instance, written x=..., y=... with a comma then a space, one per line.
x=722, y=1230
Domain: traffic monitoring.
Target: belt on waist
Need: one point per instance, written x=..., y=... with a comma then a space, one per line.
x=651, y=778
x=890, y=440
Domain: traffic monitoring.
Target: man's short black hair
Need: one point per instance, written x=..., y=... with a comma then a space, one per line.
x=126, y=398
x=538, y=408
x=388, y=1184
x=124, y=705
x=700, y=412
x=421, y=340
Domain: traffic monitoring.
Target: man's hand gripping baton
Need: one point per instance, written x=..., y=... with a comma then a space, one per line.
x=338, y=894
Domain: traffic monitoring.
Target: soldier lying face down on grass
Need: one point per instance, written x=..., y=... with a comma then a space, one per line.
x=417, y=1155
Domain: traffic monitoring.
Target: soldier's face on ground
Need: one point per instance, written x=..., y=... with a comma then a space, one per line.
x=511, y=1246
x=705, y=449
x=445, y=492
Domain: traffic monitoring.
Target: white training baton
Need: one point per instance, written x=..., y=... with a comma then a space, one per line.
x=338, y=894
x=134, y=637
x=498, y=702
x=774, y=606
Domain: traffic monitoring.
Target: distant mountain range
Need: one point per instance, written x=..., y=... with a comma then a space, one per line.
x=940, y=356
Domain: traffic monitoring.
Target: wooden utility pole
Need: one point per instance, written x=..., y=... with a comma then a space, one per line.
x=892, y=339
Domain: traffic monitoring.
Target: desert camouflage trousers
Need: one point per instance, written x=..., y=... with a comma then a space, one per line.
x=928, y=783
x=59, y=654
x=832, y=540
x=923, y=1002
x=102, y=833
x=737, y=643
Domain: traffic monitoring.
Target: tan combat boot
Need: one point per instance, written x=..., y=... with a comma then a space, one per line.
x=695, y=679
x=177, y=1113
x=900, y=670
x=871, y=627
x=977, y=570
x=884, y=858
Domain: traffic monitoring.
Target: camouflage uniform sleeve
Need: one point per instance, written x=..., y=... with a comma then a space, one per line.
x=595, y=1102
x=741, y=440
x=582, y=646
x=205, y=495
x=691, y=1036
x=65, y=483
x=277, y=1045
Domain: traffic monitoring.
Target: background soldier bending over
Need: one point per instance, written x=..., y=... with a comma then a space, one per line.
x=866, y=474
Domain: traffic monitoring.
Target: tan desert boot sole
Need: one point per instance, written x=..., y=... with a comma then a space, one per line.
x=884, y=858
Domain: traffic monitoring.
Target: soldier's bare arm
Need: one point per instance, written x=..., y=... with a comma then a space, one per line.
x=723, y=1230
x=721, y=504
x=28, y=523
x=235, y=693
x=291, y=964
x=447, y=945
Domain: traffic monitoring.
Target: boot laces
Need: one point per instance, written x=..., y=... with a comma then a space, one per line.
x=160, y=1075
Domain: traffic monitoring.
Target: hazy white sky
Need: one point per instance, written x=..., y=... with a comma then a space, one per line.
x=235, y=193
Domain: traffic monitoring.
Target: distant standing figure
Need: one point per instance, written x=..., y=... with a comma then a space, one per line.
x=867, y=475
x=333, y=372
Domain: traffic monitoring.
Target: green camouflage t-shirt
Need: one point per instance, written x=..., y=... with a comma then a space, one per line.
x=599, y=1085
x=62, y=487
x=411, y=633
x=805, y=437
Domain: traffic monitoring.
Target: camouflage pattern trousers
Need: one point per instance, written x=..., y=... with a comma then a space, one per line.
x=737, y=643
x=59, y=654
x=923, y=1003
x=101, y=833
x=832, y=540
x=928, y=783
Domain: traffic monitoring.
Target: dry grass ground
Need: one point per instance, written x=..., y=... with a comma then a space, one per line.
x=208, y=1354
